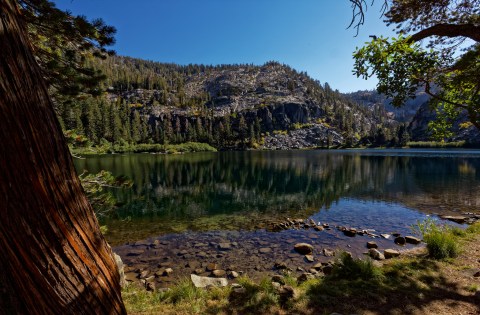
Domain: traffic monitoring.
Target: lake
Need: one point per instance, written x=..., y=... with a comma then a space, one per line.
x=183, y=200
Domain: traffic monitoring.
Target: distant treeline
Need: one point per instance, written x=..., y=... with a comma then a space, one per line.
x=123, y=114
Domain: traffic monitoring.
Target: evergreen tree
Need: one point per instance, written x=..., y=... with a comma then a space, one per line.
x=136, y=127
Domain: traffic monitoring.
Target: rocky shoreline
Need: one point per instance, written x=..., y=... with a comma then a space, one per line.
x=299, y=247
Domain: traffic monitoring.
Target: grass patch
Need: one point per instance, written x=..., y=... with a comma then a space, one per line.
x=442, y=240
x=473, y=229
x=138, y=300
x=144, y=147
x=442, y=244
x=350, y=268
x=472, y=288
x=436, y=144
x=255, y=298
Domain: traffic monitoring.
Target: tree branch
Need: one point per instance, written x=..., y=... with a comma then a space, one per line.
x=441, y=99
x=449, y=30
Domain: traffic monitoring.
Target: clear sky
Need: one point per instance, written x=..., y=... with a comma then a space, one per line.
x=309, y=35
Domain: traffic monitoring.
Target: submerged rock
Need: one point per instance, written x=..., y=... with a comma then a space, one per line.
x=455, y=218
x=350, y=232
x=225, y=246
x=412, y=239
x=303, y=248
x=202, y=282
x=399, y=240
x=372, y=244
x=265, y=250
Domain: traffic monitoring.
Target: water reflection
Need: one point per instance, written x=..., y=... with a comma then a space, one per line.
x=239, y=190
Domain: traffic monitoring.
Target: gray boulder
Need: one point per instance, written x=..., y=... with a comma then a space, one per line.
x=202, y=282
x=121, y=271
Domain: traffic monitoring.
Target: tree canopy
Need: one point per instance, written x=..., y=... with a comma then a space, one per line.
x=63, y=44
x=437, y=50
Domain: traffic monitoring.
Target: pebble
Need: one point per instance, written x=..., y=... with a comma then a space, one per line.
x=212, y=267
x=219, y=273
x=328, y=253
x=225, y=246
x=265, y=250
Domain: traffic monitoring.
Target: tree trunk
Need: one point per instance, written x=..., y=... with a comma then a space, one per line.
x=53, y=258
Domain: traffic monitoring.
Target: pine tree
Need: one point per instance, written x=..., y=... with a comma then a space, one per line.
x=136, y=127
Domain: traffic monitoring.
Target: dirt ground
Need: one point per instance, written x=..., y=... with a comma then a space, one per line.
x=447, y=288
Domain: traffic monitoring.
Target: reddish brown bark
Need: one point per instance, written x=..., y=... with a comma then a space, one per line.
x=449, y=30
x=53, y=258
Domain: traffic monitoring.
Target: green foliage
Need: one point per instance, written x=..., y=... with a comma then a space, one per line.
x=258, y=298
x=449, y=71
x=297, y=126
x=441, y=244
x=63, y=44
x=184, y=290
x=400, y=65
x=94, y=186
x=280, y=132
x=474, y=228
x=106, y=147
x=442, y=240
x=351, y=268
x=433, y=144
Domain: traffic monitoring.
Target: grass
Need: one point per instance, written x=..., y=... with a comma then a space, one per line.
x=140, y=148
x=436, y=144
x=349, y=268
x=473, y=288
x=443, y=241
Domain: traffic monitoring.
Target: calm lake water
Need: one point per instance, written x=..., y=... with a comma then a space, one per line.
x=384, y=190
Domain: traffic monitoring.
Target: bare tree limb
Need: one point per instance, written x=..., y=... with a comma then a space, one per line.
x=449, y=30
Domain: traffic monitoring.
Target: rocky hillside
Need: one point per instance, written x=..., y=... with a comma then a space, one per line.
x=418, y=127
x=270, y=106
x=416, y=114
x=375, y=101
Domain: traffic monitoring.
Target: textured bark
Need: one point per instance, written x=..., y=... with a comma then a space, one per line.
x=53, y=258
x=449, y=30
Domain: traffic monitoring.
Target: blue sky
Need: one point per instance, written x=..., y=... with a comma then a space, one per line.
x=309, y=35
